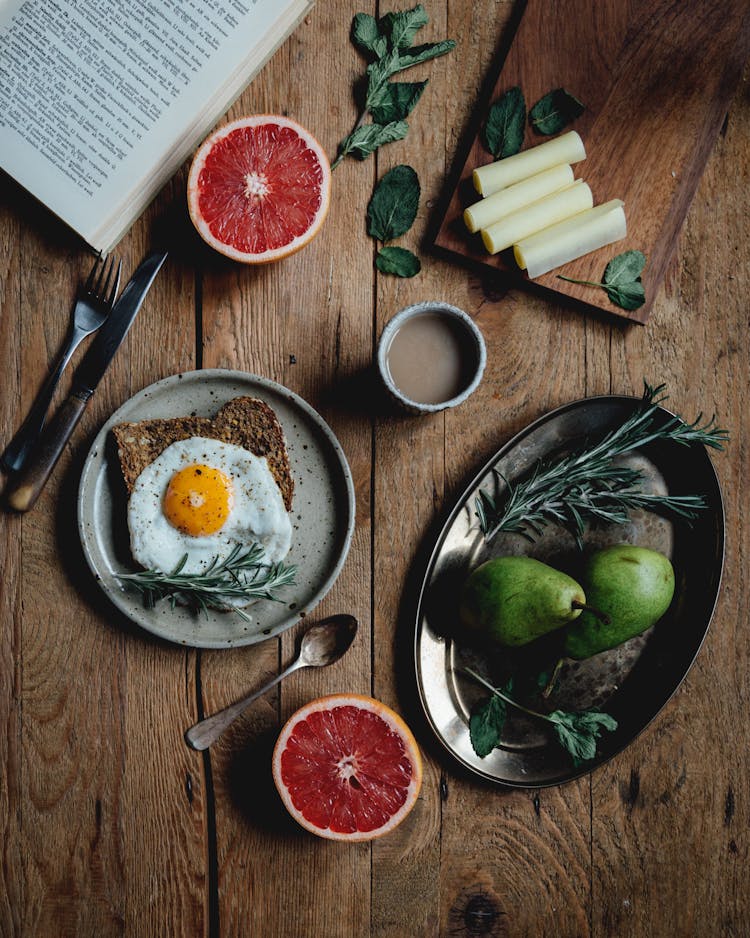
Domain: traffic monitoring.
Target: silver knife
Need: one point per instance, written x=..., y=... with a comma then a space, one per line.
x=24, y=489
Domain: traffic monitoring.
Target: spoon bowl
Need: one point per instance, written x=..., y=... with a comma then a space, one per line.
x=325, y=642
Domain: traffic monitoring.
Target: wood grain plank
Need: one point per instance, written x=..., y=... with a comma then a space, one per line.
x=305, y=322
x=670, y=815
x=409, y=484
x=12, y=886
x=86, y=686
x=656, y=80
x=164, y=800
x=474, y=858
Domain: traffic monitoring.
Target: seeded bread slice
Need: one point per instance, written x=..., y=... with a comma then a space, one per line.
x=244, y=421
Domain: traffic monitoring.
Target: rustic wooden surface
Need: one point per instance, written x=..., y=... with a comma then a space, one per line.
x=109, y=825
x=651, y=119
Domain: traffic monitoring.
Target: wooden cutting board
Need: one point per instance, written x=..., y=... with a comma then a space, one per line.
x=656, y=77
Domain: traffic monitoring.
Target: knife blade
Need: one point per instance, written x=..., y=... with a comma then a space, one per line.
x=109, y=338
x=24, y=489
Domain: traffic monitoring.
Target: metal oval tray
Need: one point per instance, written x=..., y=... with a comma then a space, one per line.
x=632, y=682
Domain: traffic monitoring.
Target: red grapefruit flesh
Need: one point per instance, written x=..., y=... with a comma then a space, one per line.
x=259, y=188
x=347, y=767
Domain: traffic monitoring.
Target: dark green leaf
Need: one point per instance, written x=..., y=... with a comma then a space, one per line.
x=486, y=726
x=555, y=111
x=367, y=34
x=403, y=27
x=394, y=204
x=378, y=74
x=577, y=732
x=506, y=122
x=395, y=100
x=430, y=50
x=627, y=295
x=398, y=261
x=622, y=279
x=625, y=267
x=366, y=139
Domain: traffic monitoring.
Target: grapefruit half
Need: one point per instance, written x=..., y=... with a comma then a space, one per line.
x=347, y=767
x=259, y=188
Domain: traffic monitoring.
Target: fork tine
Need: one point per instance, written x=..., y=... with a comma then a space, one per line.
x=96, y=289
x=115, y=286
x=90, y=280
x=103, y=285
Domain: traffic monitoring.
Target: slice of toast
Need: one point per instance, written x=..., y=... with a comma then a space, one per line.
x=244, y=421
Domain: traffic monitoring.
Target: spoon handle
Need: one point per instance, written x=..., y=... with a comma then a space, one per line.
x=202, y=734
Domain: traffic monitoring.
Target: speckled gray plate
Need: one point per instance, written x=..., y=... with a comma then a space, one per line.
x=322, y=513
x=632, y=682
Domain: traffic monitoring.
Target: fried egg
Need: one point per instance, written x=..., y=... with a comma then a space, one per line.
x=203, y=498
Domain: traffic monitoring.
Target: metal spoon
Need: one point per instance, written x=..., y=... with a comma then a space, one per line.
x=322, y=644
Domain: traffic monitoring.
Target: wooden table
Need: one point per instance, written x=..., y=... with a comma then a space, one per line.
x=110, y=825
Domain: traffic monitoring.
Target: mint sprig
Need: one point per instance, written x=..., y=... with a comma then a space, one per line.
x=621, y=280
x=391, y=213
x=577, y=733
x=388, y=41
x=505, y=126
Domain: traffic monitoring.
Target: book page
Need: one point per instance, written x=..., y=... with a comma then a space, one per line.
x=94, y=93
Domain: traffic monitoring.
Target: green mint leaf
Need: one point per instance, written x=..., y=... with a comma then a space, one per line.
x=378, y=74
x=398, y=261
x=367, y=34
x=506, y=123
x=430, y=50
x=577, y=733
x=622, y=279
x=555, y=111
x=395, y=100
x=366, y=139
x=486, y=726
x=394, y=204
x=625, y=267
x=403, y=27
x=627, y=295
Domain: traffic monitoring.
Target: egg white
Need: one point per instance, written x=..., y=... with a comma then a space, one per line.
x=257, y=514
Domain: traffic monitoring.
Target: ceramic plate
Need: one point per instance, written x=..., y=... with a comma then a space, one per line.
x=322, y=513
x=632, y=682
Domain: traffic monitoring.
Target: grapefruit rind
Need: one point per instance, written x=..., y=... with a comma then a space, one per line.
x=193, y=190
x=394, y=722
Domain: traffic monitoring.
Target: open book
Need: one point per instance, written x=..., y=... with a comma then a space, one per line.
x=102, y=100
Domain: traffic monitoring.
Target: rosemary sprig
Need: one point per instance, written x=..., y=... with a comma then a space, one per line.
x=585, y=485
x=240, y=576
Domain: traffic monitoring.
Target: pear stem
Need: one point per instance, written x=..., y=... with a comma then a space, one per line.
x=601, y=616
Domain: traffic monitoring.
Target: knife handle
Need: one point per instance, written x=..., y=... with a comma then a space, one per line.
x=25, y=488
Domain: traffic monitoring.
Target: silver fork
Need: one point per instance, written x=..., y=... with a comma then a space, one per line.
x=94, y=303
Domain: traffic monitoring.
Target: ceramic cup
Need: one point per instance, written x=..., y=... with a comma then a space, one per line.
x=472, y=348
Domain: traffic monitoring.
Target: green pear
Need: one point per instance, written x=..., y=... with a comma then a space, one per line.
x=513, y=600
x=631, y=587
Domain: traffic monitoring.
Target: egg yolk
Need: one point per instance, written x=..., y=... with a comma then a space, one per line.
x=198, y=500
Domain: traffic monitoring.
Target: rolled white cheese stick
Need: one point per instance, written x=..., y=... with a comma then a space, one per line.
x=487, y=211
x=527, y=221
x=588, y=231
x=565, y=149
